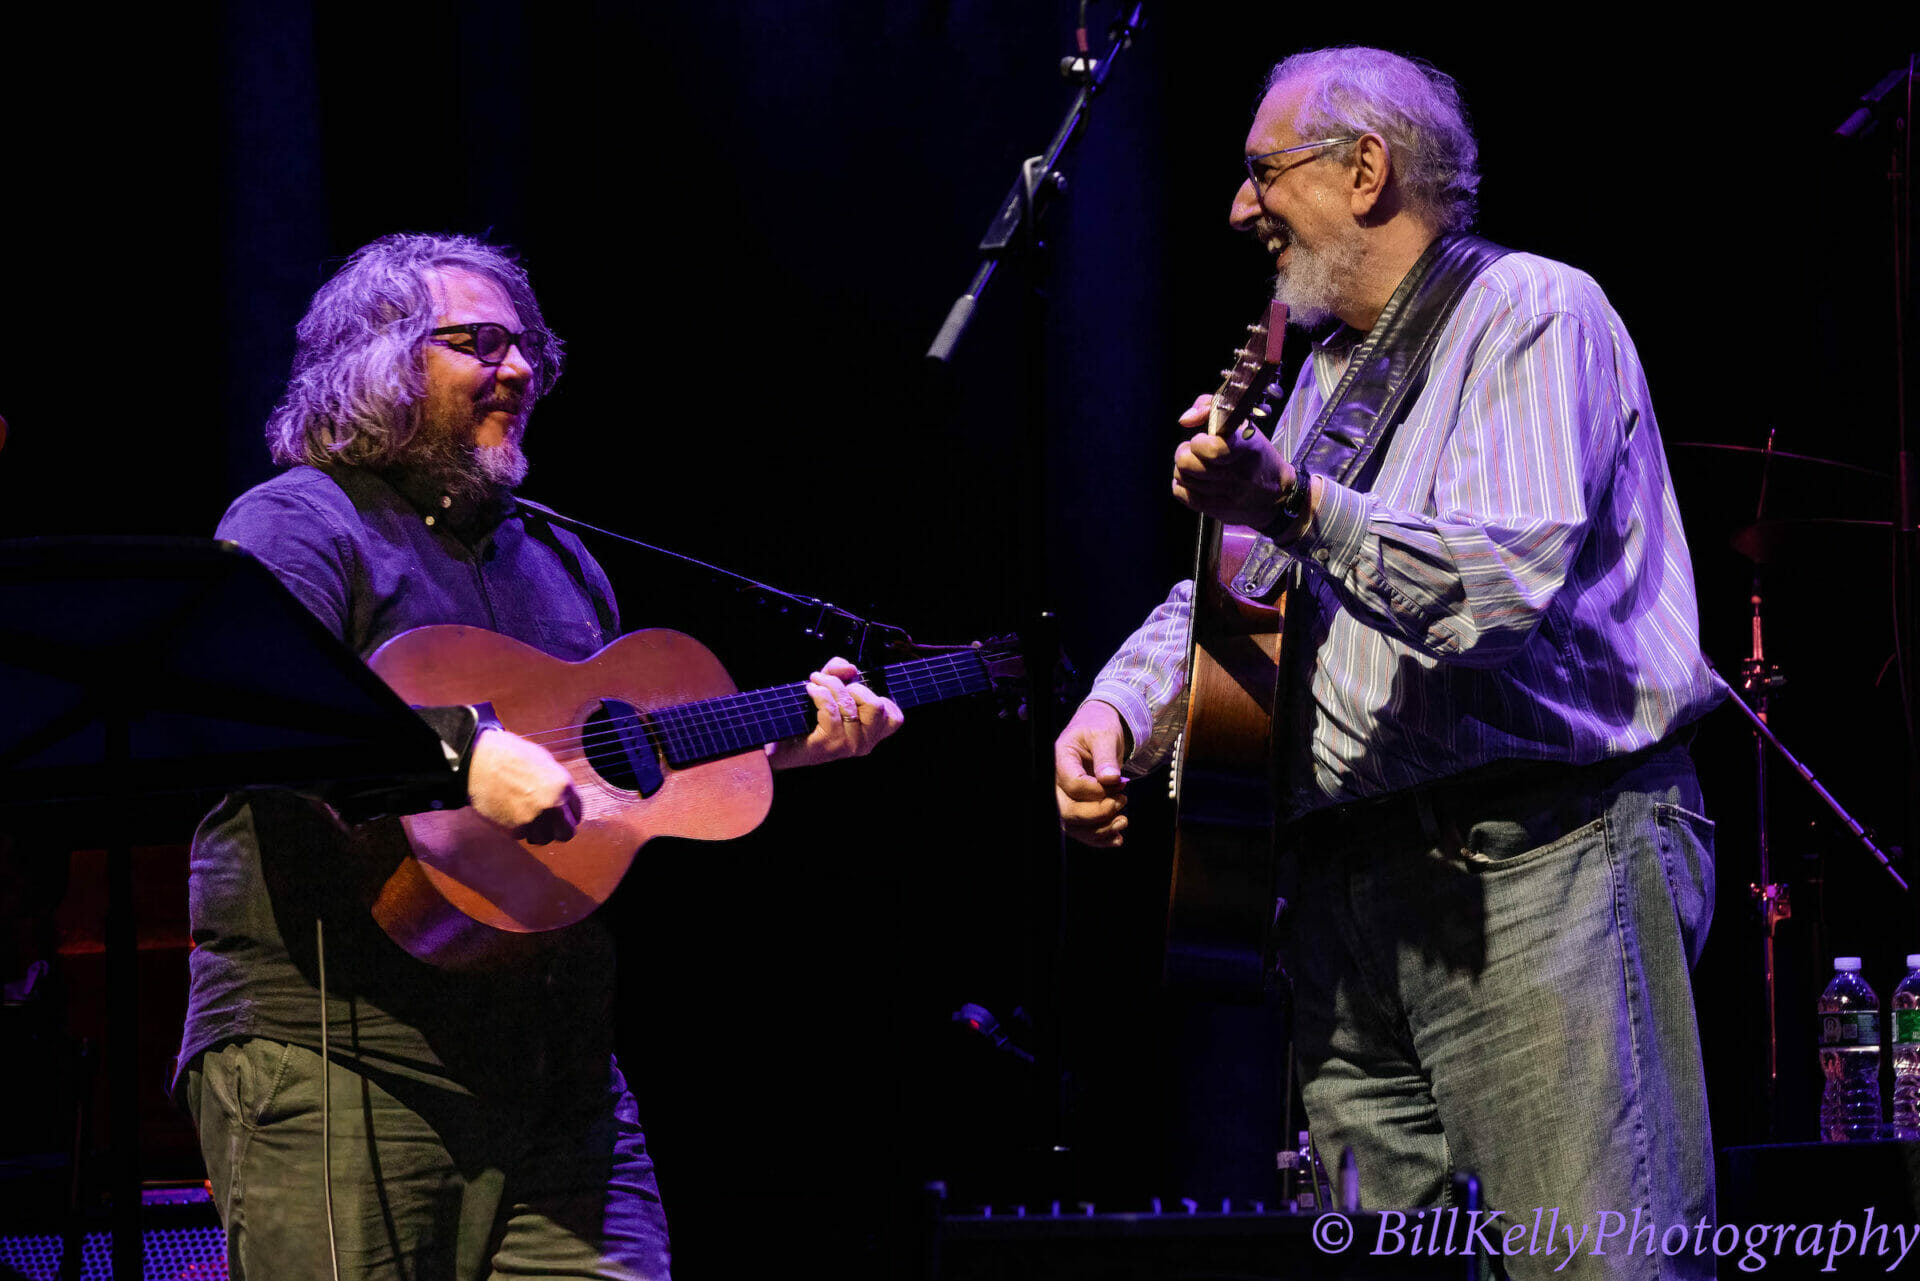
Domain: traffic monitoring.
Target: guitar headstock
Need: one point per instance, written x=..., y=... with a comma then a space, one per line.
x=1005, y=662
x=1248, y=387
x=1001, y=665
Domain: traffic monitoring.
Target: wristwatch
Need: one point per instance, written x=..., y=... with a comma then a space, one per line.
x=484, y=719
x=1293, y=506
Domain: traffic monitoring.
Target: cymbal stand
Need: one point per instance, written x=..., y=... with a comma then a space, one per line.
x=1770, y=898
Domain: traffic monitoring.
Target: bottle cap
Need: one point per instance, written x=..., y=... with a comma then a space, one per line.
x=1913, y=960
x=1846, y=962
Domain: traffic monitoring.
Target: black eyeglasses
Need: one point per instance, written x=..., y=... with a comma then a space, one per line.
x=489, y=343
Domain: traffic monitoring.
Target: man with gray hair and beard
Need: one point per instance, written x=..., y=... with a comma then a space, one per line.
x=480, y=1126
x=1498, y=873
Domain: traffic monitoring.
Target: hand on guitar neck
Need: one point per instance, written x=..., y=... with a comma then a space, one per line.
x=852, y=719
x=1240, y=478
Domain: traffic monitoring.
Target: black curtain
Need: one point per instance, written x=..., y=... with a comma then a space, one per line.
x=748, y=221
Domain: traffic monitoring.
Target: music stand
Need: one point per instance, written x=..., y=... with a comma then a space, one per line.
x=138, y=672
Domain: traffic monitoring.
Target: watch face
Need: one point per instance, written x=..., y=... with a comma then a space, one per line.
x=1293, y=504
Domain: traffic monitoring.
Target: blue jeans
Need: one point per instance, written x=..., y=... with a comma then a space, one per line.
x=427, y=1184
x=1494, y=979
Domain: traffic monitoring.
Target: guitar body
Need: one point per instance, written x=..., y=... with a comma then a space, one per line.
x=471, y=893
x=659, y=743
x=1220, y=906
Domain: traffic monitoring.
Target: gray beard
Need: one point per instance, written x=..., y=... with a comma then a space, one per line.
x=1313, y=286
x=468, y=471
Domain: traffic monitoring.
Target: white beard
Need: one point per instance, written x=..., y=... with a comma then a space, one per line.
x=502, y=467
x=1315, y=281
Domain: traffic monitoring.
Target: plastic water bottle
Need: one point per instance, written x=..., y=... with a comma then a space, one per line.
x=1849, y=1056
x=1906, y=1053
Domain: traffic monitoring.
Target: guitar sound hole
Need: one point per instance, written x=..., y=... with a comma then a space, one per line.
x=615, y=741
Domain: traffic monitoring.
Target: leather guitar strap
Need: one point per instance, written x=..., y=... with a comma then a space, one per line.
x=1384, y=374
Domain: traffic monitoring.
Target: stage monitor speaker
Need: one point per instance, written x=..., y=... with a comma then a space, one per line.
x=1804, y=1186
x=180, y=1240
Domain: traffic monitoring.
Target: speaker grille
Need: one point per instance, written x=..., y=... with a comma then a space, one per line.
x=171, y=1254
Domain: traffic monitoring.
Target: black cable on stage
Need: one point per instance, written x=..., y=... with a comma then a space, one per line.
x=326, y=1098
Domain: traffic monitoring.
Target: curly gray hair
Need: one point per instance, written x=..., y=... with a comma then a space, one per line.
x=1411, y=104
x=359, y=372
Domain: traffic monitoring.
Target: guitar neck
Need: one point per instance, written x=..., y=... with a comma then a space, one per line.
x=732, y=723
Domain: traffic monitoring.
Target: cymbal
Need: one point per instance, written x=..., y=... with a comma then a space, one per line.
x=1781, y=453
x=1766, y=541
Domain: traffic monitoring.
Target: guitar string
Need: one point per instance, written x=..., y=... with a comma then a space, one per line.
x=737, y=711
x=716, y=718
x=603, y=799
x=920, y=680
x=727, y=711
x=695, y=730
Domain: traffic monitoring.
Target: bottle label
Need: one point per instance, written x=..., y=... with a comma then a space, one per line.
x=1906, y=1027
x=1856, y=1029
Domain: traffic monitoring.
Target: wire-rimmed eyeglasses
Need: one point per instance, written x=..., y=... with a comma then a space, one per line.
x=1262, y=176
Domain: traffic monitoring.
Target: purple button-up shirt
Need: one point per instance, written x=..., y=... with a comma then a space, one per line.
x=373, y=555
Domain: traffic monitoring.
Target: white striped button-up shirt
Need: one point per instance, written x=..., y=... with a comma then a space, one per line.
x=1514, y=587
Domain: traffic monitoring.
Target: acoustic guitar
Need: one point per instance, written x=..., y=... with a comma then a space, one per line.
x=659, y=742
x=1220, y=908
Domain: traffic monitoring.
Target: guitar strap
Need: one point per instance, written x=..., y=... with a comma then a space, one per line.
x=1384, y=375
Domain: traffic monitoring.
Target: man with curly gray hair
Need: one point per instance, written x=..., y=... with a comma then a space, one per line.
x=479, y=1125
x=1498, y=875
x=359, y=394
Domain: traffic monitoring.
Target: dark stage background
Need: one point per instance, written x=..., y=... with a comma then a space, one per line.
x=748, y=221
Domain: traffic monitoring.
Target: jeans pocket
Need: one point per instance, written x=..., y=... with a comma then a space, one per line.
x=259, y=1074
x=1686, y=855
x=1497, y=846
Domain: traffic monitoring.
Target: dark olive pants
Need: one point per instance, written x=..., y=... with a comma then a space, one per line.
x=427, y=1184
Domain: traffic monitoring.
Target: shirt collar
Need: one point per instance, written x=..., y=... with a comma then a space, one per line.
x=470, y=520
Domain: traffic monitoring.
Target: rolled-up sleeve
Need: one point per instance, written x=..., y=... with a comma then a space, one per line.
x=1146, y=680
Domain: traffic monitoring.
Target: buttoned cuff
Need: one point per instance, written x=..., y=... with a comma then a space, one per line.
x=1133, y=709
x=457, y=727
x=1336, y=530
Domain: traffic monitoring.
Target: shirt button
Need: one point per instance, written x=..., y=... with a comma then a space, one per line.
x=446, y=500
x=1319, y=553
x=429, y=520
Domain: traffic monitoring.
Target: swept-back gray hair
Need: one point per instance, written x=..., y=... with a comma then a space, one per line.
x=359, y=372
x=1411, y=104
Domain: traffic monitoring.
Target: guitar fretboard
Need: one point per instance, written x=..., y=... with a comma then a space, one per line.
x=714, y=727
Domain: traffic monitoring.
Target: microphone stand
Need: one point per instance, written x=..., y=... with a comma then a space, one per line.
x=1860, y=834
x=1890, y=102
x=829, y=620
x=1013, y=237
